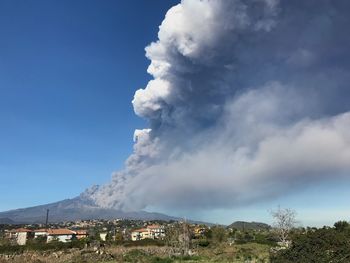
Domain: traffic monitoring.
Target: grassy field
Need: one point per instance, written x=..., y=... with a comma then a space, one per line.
x=251, y=252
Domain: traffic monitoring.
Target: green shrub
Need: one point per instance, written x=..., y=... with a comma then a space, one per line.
x=143, y=242
x=11, y=249
x=134, y=255
x=322, y=246
x=162, y=260
x=203, y=243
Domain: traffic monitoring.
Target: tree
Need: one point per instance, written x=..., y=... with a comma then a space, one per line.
x=178, y=237
x=341, y=225
x=284, y=221
x=218, y=234
x=172, y=235
x=185, y=239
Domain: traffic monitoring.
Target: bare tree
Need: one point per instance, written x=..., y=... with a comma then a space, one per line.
x=284, y=221
x=185, y=239
x=178, y=237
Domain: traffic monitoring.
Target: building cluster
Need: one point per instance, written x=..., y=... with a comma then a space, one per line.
x=116, y=229
x=22, y=235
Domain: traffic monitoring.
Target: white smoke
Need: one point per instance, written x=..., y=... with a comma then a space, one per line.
x=230, y=113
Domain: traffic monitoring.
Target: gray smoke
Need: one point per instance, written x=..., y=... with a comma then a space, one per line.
x=249, y=101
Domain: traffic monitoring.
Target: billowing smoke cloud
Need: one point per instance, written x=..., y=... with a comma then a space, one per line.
x=249, y=101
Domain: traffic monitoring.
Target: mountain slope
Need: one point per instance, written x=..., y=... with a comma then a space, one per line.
x=241, y=225
x=6, y=221
x=78, y=208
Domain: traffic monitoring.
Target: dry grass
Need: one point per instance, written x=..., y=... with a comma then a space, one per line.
x=252, y=253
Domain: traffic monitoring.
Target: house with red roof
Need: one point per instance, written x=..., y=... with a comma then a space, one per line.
x=61, y=234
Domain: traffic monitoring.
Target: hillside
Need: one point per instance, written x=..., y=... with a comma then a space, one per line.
x=241, y=225
x=6, y=221
x=77, y=208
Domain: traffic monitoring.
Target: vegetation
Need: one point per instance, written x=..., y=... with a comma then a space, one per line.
x=41, y=246
x=241, y=225
x=320, y=245
x=142, y=243
x=200, y=243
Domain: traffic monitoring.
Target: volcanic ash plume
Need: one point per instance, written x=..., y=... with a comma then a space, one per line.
x=248, y=102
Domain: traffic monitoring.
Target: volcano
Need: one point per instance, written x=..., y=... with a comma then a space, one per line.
x=79, y=208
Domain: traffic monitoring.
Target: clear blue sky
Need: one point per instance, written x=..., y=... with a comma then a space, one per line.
x=68, y=72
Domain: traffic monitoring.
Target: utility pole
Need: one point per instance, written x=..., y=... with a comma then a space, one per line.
x=47, y=218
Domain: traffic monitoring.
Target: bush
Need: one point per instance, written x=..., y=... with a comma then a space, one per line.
x=322, y=245
x=162, y=260
x=265, y=239
x=218, y=234
x=39, y=246
x=135, y=255
x=11, y=249
x=143, y=242
x=203, y=243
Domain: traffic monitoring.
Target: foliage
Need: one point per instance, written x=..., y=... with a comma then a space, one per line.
x=203, y=243
x=134, y=255
x=266, y=238
x=161, y=260
x=141, y=243
x=5, y=242
x=38, y=246
x=218, y=234
x=119, y=236
x=322, y=246
x=137, y=255
x=208, y=234
x=242, y=225
x=94, y=234
x=10, y=249
x=172, y=234
x=341, y=225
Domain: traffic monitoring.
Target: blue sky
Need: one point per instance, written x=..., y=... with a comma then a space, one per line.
x=68, y=73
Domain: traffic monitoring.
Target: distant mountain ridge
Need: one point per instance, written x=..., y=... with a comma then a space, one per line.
x=6, y=221
x=78, y=208
x=241, y=225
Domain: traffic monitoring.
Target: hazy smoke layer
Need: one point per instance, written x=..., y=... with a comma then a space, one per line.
x=249, y=101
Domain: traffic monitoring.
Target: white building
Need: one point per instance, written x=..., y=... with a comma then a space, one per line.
x=156, y=231
x=152, y=231
x=63, y=235
x=140, y=234
x=40, y=232
x=103, y=236
x=21, y=235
